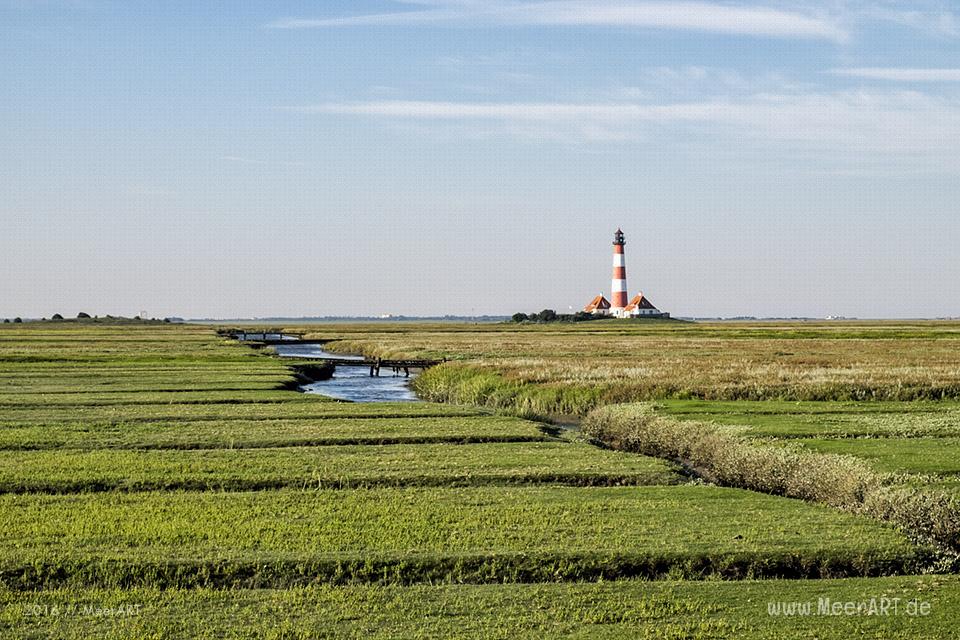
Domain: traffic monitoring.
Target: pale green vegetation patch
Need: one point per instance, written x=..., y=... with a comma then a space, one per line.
x=138, y=398
x=482, y=534
x=824, y=419
x=169, y=463
x=62, y=471
x=934, y=456
x=624, y=610
x=363, y=426
x=784, y=467
x=575, y=368
x=291, y=406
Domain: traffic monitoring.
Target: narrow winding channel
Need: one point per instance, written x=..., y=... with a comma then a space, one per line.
x=352, y=383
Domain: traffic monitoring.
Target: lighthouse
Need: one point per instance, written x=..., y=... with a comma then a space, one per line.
x=618, y=285
x=618, y=307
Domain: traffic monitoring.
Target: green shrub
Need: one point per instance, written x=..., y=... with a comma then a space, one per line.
x=548, y=315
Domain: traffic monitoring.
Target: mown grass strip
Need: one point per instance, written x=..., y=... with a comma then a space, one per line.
x=297, y=406
x=779, y=408
x=139, y=398
x=483, y=534
x=629, y=609
x=184, y=386
x=732, y=460
x=933, y=456
x=246, y=434
x=66, y=471
x=824, y=420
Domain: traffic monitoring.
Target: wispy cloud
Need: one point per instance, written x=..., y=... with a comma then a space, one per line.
x=901, y=74
x=671, y=14
x=883, y=121
x=933, y=17
x=509, y=111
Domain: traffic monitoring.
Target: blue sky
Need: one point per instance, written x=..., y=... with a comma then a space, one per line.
x=448, y=156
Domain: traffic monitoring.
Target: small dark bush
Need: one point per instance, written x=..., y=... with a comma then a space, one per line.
x=548, y=315
x=56, y=316
x=83, y=315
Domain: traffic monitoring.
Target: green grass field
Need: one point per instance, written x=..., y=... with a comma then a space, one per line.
x=824, y=419
x=292, y=405
x=66, y=470
x=577, y=367
x=481, y=534
x=622, y=609
x=168, y=467
x=934, y=456
x=349, y=424
x=906, y=438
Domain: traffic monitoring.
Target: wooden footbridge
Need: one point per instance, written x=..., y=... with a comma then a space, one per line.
x=375, y=364
x=270, y=337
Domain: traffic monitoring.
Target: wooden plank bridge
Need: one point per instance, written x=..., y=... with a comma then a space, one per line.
x=270, y=337
x=375, y=364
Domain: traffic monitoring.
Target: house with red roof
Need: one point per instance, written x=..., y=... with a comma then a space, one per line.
x=641, y=307
x=598, y=306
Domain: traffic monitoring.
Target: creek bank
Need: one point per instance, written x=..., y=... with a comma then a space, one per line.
x=306, y=374
x=344, y=377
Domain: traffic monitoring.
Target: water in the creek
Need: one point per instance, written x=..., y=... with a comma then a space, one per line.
x=352, y=383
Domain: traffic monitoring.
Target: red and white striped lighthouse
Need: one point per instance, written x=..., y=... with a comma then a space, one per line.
x=618, y=285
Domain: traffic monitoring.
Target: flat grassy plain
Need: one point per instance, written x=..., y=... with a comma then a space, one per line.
x=482, y=534
x=420, y=464
x=920, y=438
x=577, y=367
x=350, y=425
x=167, y=467
x=609, y=610
x=885, y=392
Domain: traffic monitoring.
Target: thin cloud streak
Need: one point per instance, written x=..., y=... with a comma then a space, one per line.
x=690, y=16
x=870, y=121
x=514, y=111
x=900, y=74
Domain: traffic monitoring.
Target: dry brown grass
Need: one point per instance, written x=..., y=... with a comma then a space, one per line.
x=636, y=361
